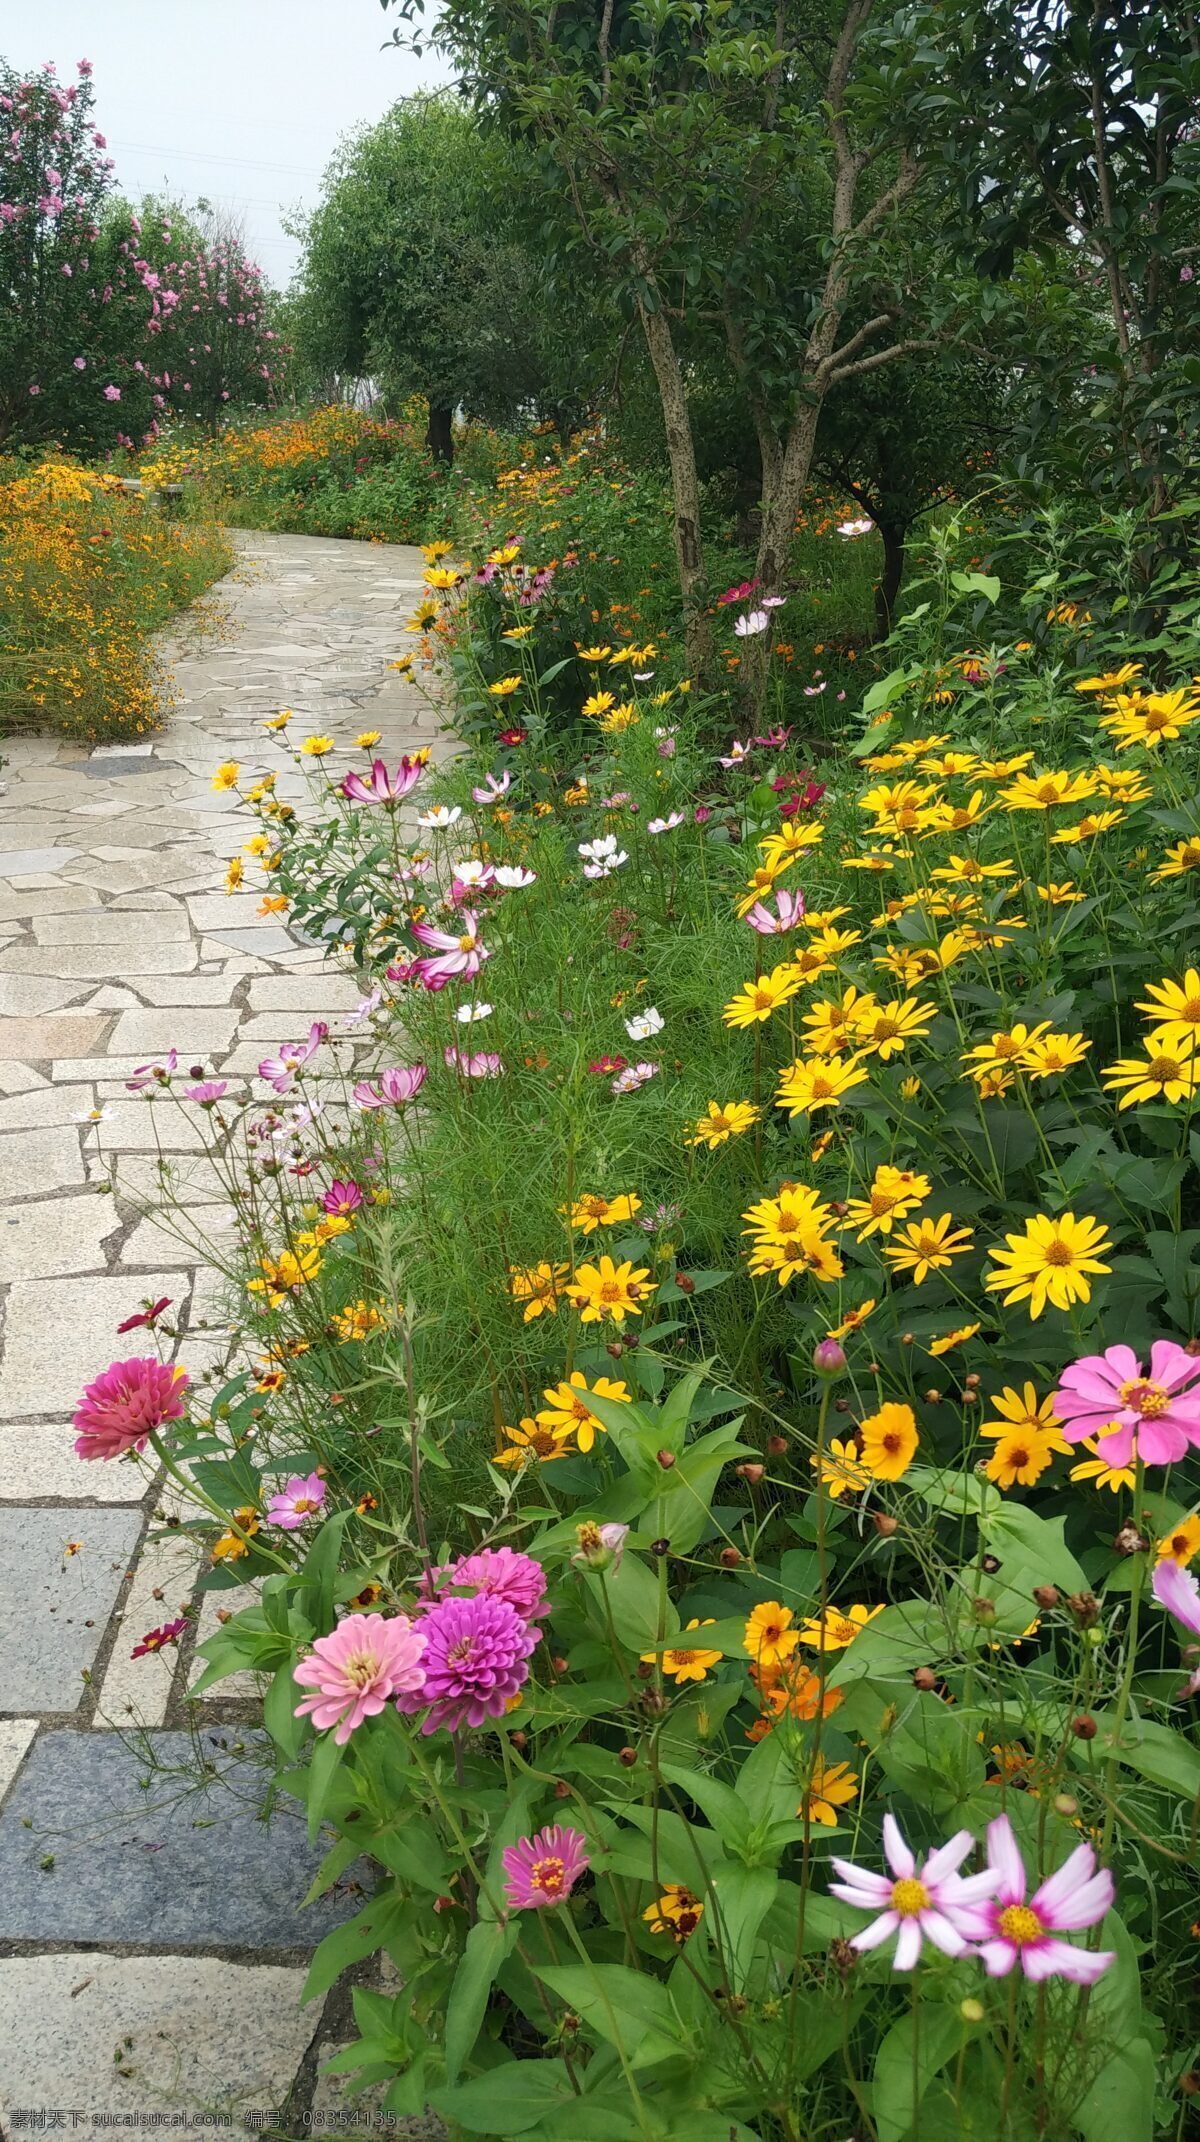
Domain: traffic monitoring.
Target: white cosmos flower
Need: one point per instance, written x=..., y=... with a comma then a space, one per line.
x=91, y=1115
x=645, y=1024
x=471, y=871
x=665, y=825
x=754, y=622
x=440, y=814
x=513, y=877
x=601, y=856
x=467, y=1014
x=855, y=528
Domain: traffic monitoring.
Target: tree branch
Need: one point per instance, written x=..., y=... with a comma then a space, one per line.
x=881, y=357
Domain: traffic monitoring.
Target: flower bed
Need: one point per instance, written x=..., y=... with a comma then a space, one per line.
x=714, y=1426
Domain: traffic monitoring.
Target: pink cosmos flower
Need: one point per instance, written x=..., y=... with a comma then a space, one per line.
x=477, y=1654
x=124, y=1407
x=1177, y=1590
x=788, y=915
x=342, y=1198
x=379, y=786
x=485, y=1063
x=931, y=1899
x=634, y=1075
x=157, y=1639
x=400, y=1083
x=738, y=593
x=207, y=1092
x=1108, y=1396
x=544, y=1869
x=357, y=1668
x=279, y=1071
x=494, y=786
x=738, y=754
x=146, y=1317
x=156, y=1074
x=501, y=1572
x=1020, y=1933
x=749, y=626
x=462, y=954
x=299, y=1500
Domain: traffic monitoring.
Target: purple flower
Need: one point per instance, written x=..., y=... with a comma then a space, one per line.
x=401, y=1083
x=300, y=1499
x=738, y=754
x=342, y=1197
x=461, y=954
x=1108, y=1395
x=476, y=1661
x=1020, y=1933
x=544, y=1869
x=789, y=914
x=159, y=1074
x=208, y=1092
x=485, y=1063
x=493, y=787
x=500, y=1572
x=379, y=786
x=633, y=1076
x=279, y=1071
x=112, y=394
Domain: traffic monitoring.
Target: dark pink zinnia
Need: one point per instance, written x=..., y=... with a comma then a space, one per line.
x=502, y=1573
x=476, y=1660
x=122, y=1409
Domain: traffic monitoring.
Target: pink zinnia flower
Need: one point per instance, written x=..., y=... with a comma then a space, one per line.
x=112, y=394
x=461, y=954
x=1020, y=1933
x=544, y=1869
x=1177, y=1590
x=357, y=1668
x=789, y=914
x=157, y=1639
x=124, y=1407
x=379, y=786
x=279, y=1071
x=299, y=1500
x=342, y=1198
x=476, y=1661
x=485, y=1063
x=400, y=1083
x=931, y=1899
x=1108, y=1396
x=502, y=1573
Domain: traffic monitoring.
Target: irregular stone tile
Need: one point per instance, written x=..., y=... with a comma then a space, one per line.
x=154, y=1240
x=185, y=990
x=62, y=900
x=15, y=862
x=140, y=1181
x=112, y=997
x=48, y=1104
x=112, y=926
x=195, y=1867
x=32, y=1162
x=60, y=1333
x=18, y=1078
x=201, y=2040
x=224, y=911
x=38, y=1464
x=16, y=1735
x=138, y=1124
x=93, y=963
x=43, y=1240
x=136, y=1692
x=194, y=1033
x=55, y=1034
x=54, y=1608
x=23, y=996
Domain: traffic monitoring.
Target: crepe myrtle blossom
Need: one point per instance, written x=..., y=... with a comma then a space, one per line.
x=484, y=1063
x=542, y=1870
x=1154, y=1415
x=645, y=1023
x=126, y=1405
x=633, y=1076
x=788, y=915
x=397, y=1085
x=917, y=1901
x=476, y=1660
x=440, y=815
x=281, y=1071
x=364, y=1663
x=751, y=624
x=380, y=786
x=156, y=1074
x=513, y=877
x=461, y=953
x=298, y=1501
x=1177, y=1590
x=668, y=824
x=855, y=528
x=469, y=1014
x=493, y=787
x=1025, y=1934
x=738, y=754
x=601, y=856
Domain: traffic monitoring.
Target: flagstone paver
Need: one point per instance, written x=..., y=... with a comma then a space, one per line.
x=117, y=942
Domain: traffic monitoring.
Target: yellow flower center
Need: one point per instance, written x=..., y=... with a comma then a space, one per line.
x=910, y=1898
x=610, y=1291
x=821, y=1088
x=1019, y=1924
x=845, y=1631
x=1060, y=1252
x=1046, y=791
x=882, y=1201
x=763, y=1000
x=1155, y=719
x=304, y=1504
x=466, y=944
x=547, y=1874
x=891, y=1442
x=1163, y=1069
x=1144, y=1397
x=1190, y=1010
x=885, y=1030
x=1005, y=1045
x=361, y=1668
x=683, y=1658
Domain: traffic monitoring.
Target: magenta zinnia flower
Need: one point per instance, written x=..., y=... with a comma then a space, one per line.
x=1154, y=1416
x=1020, y=1933
x=476, y=1661
x=930, y=1899
x=122, y=1409
x=301, y=1498
x=544, y=1869
x=401, y=1083
x=357, y=1668
x=381, y=787
x=500, y=1572
x=1177, y=1590
x=460, y=954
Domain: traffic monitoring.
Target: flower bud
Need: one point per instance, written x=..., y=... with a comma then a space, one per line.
x=828, y=1358
x=1066, y=1804
x=776, y=1445
x=971, y=2011
x=1084, y=1728
x=684, y=1284
x=1046, y=1596
x=1085, y=1607
x=614, y=1349
x=666, y=1459
x=884, y=1525
x=1129, y=1540
x=842, y=1955
x=627, y=1757
x=729, y=1557
x=562, y=1790
x=841, y=1405
x=933, y=1397
x=984, y=1611
x=660, y=1549
x=752, y=1473
x=925, y=1679
x=990, y=1564
x=518, y=1741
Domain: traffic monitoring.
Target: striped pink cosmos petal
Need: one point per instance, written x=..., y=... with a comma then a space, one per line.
x=1025, y=1935
x=921, y=1901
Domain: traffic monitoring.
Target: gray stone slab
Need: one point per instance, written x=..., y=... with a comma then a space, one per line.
x=38, y=1463
x=192, y=1032
x=111, y=926
x=181, y=1859
x=54, y=1607
x=15, y=1737
x=60, y=1333
x=16, y=862
x=32, y=1162
x=54, y=1034
x=24, y=996
x=94, y=963
x=59, y=1235
x=201, y=2041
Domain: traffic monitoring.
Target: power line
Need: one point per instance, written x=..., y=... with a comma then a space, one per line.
x=199, y=156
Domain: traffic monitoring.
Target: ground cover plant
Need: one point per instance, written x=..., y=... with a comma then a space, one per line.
x=711, y=1438
x=87, y=573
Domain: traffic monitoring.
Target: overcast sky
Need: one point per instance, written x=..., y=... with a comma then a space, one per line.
x=241, y=101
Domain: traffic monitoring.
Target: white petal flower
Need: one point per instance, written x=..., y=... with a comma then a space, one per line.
x=644, y=1024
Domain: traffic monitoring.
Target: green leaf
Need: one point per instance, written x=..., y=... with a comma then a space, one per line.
x=1119, y=2106
x=323, y=1766
x=627, y=2009
x=508, y=2100
x=900, y=2080
x=314, y=1592
x=360, y=1937
x=744, y=1896
x=488, y=1943
x=279, y=1713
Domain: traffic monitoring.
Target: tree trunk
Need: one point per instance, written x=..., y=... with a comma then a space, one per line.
x=894, y=534
x=782, y=498
x=685, y=488
x=439, y=437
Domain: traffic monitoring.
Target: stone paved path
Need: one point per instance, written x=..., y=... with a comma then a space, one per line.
x=152, y=1948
